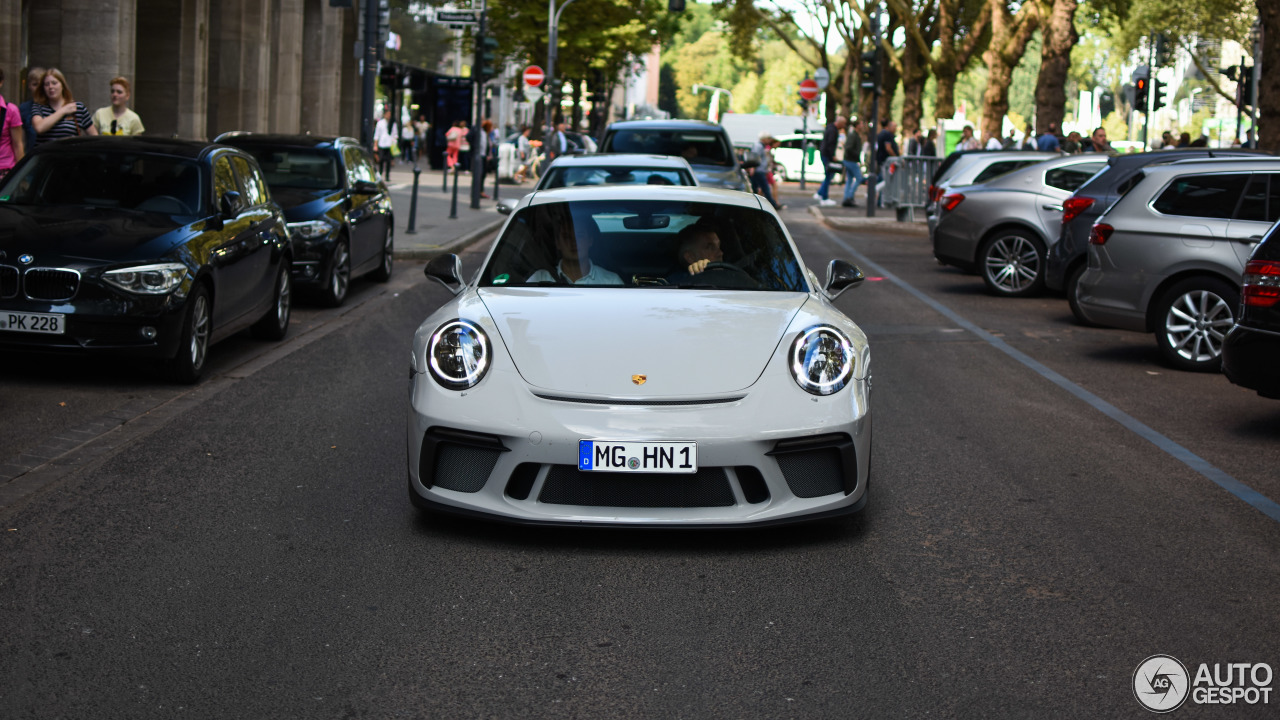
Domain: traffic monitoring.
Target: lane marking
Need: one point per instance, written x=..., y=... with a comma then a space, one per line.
x=1257, y=500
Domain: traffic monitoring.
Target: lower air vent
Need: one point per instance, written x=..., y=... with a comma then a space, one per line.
x=566, y=485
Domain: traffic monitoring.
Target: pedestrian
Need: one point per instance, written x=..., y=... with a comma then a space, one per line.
x=453, y=143
x=384, y=138
x=420, y=129
x=1251, y=140
x=1048, y=140
x=31, y=83
x=524, y=153
x=406, y=142
x=12, y=135
x=1166, y=140
x=117, y=118
x=827, y=151
x=1029, y=139
x=559, y=142
x=852, y=162
x=56, y=113
x=967, y=140
x=886, y=145
x=991, y=142
x=930, y=144
x=916, y=143
x=759, y=174
x=1098, y=142
x=1184, y=140
x=487, y=146
x=1071, y=145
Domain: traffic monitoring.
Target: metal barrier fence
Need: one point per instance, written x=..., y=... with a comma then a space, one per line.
x=906, y=185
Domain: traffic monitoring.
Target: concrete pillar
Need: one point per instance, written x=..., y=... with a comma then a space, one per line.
x=285, y=107
x=171, y=89
x=89, y=42
x=350, y=88
x=12, y=57
x=239, y=66
x=323, y=57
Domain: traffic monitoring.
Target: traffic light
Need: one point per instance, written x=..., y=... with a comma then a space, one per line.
x=1246, y=86
x=1140, y=87
x=1157, y=95
x=486, y=53
x=675, y=5
x=1164, y=51
x=871, y=70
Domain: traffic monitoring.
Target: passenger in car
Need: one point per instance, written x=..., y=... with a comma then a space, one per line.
x=575, y=266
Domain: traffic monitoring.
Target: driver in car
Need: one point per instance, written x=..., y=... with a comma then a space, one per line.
x=699, y=247
x=575, y=266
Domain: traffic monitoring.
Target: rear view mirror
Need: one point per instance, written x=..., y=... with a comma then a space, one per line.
x=447, y=269
x=646, y=222
x=841, y=276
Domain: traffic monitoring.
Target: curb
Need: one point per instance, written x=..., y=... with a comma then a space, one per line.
x=879, y=224
x=452, y=246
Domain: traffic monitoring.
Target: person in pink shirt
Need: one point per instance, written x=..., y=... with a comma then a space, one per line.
x=11, y=133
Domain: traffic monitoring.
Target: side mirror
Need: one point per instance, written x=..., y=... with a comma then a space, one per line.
x=447, y=269
x=364, y=187
x=504, y=208
x=841, y=276
x=229, y=204
x=750, y=160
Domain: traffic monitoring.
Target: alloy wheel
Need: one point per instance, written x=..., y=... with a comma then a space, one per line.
x=1012, y=264
x=1196, y=325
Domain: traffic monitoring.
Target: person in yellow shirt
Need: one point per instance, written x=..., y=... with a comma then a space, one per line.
x=117, y=118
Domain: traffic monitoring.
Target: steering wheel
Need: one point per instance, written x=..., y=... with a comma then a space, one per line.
x=738, y=274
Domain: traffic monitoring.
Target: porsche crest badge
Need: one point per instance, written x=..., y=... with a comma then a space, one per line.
x=639, y=379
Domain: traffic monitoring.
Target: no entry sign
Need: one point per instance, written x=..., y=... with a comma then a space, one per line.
x=809, y=89
x=533, y=76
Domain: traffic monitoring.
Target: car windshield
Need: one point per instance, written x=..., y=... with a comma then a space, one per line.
x=301, y=168
x=577, y=176
x=699, y=147
x=129, y=181
x=644, y=243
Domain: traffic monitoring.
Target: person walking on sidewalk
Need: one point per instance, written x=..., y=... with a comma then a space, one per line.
x=384, y=138
x=827, y=151
x=12, y=136
x=852, y=162
x=117, y=118
x=56, y=113
x=31, y=76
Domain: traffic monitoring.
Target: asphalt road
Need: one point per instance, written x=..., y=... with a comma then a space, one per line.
x=246, y=548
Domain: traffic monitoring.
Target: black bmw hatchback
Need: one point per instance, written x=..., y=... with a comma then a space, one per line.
x=1251, y=352
x=339, y=211
x=144, y=247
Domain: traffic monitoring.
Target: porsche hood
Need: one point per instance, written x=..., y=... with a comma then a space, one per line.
x=643, y=343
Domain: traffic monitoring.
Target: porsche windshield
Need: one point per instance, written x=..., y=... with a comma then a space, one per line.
x=644, y=243
x=130, y=181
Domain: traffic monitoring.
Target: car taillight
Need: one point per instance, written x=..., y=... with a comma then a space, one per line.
x=1100, y=233
x=1261, y=283
x=949, y=202
x=935, y=192
x=1073, y=206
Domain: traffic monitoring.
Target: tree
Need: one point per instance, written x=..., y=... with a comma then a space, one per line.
x=1058, y=37
x=1010, y=32
x=1269, y=89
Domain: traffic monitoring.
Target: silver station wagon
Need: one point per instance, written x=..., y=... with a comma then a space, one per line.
x=1168, y=257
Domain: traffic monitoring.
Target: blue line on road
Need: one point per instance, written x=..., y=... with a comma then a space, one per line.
x=1260, y=502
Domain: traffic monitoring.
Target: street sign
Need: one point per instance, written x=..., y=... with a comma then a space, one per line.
x=533, y=94
x=533, y=76
x=822, y=77
x=457, y=16
x=809, y=89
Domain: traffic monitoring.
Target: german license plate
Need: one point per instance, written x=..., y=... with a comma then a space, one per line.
x=46, y=323
x=637, y=457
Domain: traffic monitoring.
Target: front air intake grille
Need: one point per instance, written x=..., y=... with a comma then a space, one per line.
x=813, y=473
x=50, y=283
x=649, y=403
x=462, y=468
x=566, y=485
x=8, y=281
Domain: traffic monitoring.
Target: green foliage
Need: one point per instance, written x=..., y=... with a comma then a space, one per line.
x=1187, y=20
x=422, y=44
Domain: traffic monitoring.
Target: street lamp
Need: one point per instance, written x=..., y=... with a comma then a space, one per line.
x=713, y=112
x=553, y=32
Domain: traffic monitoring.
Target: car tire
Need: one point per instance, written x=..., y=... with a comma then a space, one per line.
x=188, y=364
x=275, y=323
x=338, y=281
x=1070, y=288
x=387, y=260
x=1012, y=263
x=1192, y=319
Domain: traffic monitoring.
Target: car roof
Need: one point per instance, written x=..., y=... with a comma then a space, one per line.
x=1121, y=167
x=1211, y=165
x=666, y=125
x=678, y=193
x=140, y=144
x=621, y=159
x=241, y=138
x=974, y=158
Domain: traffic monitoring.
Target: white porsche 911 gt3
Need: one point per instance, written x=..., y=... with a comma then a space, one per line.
x=645, y=357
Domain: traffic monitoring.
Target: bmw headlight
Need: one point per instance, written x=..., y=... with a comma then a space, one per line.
x=822, y=360
x=155, y=279
x=309, y=230
x=458, y=354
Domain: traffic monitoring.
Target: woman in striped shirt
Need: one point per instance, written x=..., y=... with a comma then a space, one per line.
x=56, y=114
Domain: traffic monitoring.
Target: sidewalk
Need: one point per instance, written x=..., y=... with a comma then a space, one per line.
x=843, y=218
x=436, y=233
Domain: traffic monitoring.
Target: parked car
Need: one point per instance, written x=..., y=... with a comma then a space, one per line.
x=679, y=363
x=339, y=210
x=1068, y=257
x=1168, y=256
x=143, y=247
x=1251, y=352
x=610, y=169
x=790, y=155
x=704, y=144
x=1002, y=227
x=974, y=167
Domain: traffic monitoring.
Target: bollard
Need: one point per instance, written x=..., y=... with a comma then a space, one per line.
x=444, y=187
x=453, y=206
x=413, y=202
x=495, y=182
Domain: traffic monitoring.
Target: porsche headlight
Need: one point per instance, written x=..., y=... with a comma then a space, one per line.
x=822, y=360
x=458, y=354
x=310, y=230
x=155, y=279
